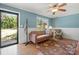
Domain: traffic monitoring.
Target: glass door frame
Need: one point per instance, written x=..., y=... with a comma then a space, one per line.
x=17, y=27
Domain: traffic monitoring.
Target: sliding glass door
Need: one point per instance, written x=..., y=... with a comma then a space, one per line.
x=8, y=28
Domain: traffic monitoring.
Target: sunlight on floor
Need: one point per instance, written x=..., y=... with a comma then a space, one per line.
x=10, y=50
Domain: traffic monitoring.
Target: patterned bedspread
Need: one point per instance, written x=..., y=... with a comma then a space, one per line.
x=60, y=47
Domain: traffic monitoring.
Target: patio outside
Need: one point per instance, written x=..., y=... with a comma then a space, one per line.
x=8, y=28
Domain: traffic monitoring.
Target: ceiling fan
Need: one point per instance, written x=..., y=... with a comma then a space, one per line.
x=57, y=7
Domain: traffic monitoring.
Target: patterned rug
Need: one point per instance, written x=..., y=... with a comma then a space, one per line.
x=60, y=47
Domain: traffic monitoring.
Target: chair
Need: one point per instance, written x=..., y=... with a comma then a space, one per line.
x=58, y=34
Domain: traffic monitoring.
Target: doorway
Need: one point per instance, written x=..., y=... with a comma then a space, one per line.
x=8, y=28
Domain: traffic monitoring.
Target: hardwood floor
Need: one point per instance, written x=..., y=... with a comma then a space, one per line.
x=20, y=49
x=60, y=47
x=30, y=49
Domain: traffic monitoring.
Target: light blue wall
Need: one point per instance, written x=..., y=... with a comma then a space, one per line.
x=24, y=15
x=71, y=21
x=50, y=22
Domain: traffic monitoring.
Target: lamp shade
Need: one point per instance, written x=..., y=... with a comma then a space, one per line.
x=50, y=27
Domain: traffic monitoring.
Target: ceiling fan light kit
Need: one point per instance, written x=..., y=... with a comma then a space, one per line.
x=54, y=10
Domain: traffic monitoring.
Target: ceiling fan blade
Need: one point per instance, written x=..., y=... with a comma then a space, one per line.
x=62, y=10
x=62, y=5
x=55, y=5
x=50, y=9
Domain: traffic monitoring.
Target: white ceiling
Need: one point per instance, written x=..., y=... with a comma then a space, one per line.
x=42, y=8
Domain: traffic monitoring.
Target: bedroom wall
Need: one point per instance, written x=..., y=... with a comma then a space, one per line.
x=71, y=33
x=70, y=21
x=69, y=25
x=32, y=20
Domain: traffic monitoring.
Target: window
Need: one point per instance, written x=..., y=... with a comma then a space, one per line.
x=8, y=28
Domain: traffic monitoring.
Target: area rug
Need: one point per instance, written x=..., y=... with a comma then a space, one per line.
x=60, y=47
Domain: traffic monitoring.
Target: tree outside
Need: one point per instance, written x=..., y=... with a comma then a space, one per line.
x=8, y=27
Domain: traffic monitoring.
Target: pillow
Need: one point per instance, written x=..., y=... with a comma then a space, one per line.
x=42, y=36
x=46, y=31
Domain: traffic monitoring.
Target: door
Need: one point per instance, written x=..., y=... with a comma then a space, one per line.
x=8, y=28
